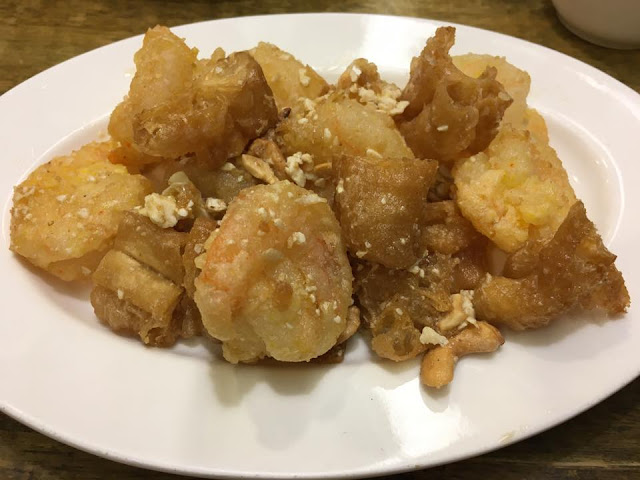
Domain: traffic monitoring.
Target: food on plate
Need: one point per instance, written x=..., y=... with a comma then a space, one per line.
x=244, y=199
x=66, y=213
x=516, y=82
x=573, y=270
x=379, y=203
x=178, y=104
x=515, y=190
x=288, y=78
x=138, y=285
x=449, y=115
x=276, y=280
x=436, y=369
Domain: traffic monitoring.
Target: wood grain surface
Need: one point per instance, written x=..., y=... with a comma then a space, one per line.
x=602, y=443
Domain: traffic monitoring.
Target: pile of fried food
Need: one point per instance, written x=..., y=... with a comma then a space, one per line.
x=245, y=199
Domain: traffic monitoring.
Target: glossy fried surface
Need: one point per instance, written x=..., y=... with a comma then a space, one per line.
x=288, y=78
x=515, y=81
x=159, y=248
x=178, y=105
x=574, y=270
x=449, y=115
x=336, y=125
x=66, y=213
x=514, y=191
x=379, y=204
x=276, y=280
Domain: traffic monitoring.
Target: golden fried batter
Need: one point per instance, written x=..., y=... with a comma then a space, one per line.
x=573, y=270
x=138, y=284
x=335, y=125
x=288, y=78
x=514, y=191
x=449, y=115
x=178, y=105
x=276, y=280
x=66, y=213
x=380, y=204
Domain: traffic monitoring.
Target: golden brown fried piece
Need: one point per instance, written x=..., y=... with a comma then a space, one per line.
x=178, y=105
x=574, y=270
x=198, y=235
x=160, y=249
x=288, y=78
x=444, y=229
x=514, y=191
x=335, y=125
x=124, y=317
x=276, y=280
x=515, y=81
x=379, y=204
x=398, y=304
x=450, y=115
x=66, y=213
x=138, y=285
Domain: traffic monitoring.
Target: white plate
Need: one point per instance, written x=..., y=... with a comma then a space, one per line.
x=184, y=410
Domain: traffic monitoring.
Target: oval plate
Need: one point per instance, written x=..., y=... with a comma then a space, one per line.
x=185, y=410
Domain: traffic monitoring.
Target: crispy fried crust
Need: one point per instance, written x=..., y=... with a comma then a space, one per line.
x=379, y=203
x=66, y=213
x=450, y=115
x=574, y=270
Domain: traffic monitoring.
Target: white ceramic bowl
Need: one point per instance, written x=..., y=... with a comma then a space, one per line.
x=610, y=23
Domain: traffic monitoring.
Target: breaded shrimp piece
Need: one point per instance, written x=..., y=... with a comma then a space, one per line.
x=515, y=191
x=65, y=215
x=275, y=280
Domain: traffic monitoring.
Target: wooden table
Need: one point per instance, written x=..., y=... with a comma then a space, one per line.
x=603, y=443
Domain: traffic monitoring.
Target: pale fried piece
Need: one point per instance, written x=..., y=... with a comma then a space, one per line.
x=276, y=280
x=288, y=78
x=515, y=81
x=198, y=235
x=361, y=81
x=438, y=363
x=450, y=115
x=534, y=122
x=137, y=283
x=517, y=84
x=516, y=190
x=572, y=270
x=178, y=105
x=158, y=248
x=334, y=125
x=125, y=318
x=66, y=213
x=379, y=204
